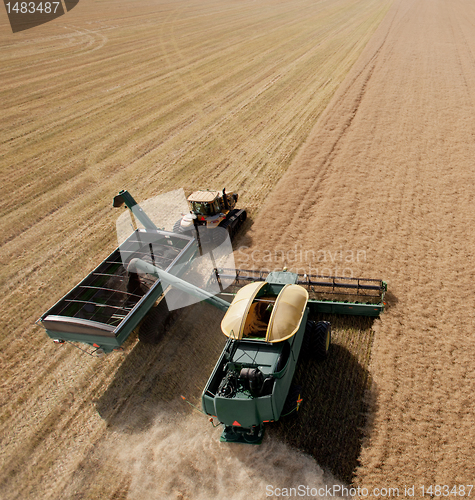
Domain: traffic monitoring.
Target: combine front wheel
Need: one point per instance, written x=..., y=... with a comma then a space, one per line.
x=317, y=339
x=322, y=340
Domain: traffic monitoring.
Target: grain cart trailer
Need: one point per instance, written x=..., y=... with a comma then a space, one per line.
x=108, y=304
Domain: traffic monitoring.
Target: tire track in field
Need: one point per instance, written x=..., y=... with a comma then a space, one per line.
x=335, y=128
x=51, y=428
x=256, y=90
x=457, y=32
x=393, y=183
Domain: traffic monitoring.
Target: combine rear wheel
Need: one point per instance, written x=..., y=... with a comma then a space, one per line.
x=254, y=436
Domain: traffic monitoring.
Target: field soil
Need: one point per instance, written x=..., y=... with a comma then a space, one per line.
x=348, y=129
x=383, y=188
x=150, y=96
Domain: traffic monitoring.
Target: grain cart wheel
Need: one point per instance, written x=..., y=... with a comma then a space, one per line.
x=152, y=328
x=177, y=227
x=149, y=335
x=292, y=401
x=156, y=323
x=322, y=340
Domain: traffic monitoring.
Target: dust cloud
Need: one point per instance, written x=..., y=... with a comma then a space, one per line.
x=184, y=459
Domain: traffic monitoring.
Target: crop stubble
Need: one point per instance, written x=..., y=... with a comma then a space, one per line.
x=223, y=94
x=388, y=171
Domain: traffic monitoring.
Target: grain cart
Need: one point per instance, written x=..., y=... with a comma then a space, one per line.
x=106, y=306
x=266, y=326
x=212, y=209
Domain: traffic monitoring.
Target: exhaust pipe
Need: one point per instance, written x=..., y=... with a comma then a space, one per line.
x=225, y=199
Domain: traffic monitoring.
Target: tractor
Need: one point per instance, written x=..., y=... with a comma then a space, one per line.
x=211, y=210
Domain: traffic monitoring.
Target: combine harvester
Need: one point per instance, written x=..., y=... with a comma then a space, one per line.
x=267, y=325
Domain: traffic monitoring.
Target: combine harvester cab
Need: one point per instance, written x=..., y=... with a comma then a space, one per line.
x=265, y=325
x=106, y=306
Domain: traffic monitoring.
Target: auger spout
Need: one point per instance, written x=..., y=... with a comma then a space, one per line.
x=139, y=266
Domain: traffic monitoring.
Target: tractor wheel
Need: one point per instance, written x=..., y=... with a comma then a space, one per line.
x=177, y=227
x=220, y=233
x=292, y=401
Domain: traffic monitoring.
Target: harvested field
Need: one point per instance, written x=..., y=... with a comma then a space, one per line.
x=388, y=175
x=149, y=96
x=175, y=94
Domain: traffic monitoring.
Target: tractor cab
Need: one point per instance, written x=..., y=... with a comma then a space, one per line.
x=211, y=203
x=212, y=209
x=206, y=203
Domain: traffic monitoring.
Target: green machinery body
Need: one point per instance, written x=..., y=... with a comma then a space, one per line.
x=242, y=410
x=250, y=382
x=229, y=394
